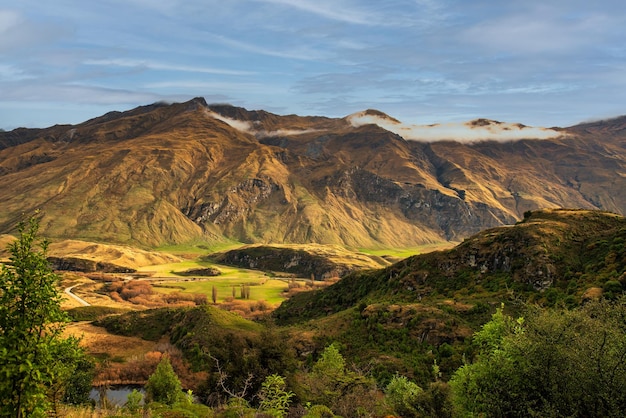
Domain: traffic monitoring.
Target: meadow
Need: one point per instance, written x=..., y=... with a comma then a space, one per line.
x=262, y=286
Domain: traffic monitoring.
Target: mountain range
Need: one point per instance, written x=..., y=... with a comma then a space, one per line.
x=193, y=172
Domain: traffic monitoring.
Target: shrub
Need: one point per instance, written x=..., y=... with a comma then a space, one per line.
x=163, y=385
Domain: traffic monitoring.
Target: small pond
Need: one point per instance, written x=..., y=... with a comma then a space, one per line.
x=117, y=395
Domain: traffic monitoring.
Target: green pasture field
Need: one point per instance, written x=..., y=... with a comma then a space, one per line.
x=262, y=287
x=267, y=289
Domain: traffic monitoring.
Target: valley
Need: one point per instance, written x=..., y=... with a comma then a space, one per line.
x=169, y=286
x=333, y=253
x=399, y=318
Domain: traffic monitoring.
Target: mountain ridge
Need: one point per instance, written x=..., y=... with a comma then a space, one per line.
x=182, y=172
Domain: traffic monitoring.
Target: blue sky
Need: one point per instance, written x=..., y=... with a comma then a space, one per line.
x=542, y=63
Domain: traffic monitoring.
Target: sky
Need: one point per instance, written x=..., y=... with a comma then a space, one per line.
x=536, y=62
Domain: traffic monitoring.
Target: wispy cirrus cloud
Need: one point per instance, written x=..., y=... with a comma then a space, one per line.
x=154, y=65
x=18, y=31
x=300, y=52
x=334, y=10
x=424, y=61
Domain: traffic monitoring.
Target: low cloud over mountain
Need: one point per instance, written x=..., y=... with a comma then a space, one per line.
x=472, y=131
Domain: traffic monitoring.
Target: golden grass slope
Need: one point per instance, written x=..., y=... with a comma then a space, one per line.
x=180, y=173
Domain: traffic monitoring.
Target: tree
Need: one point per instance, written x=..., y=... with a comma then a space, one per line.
x=275, y=399
x=31, y=323
x=133, y=401
x=74, y=373
x=403, y=395
x=553, y=363
x=331, y=363
x=331, y=383
x=163, y=385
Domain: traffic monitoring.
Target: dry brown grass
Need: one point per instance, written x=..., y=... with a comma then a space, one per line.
x=99, y=343
x=116, y=254
x=69, y=411
x=5, y=240
x=247, y=308
x=296, y=287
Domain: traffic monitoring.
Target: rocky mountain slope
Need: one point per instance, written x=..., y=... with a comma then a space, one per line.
x=175, y=173
x=555, y=254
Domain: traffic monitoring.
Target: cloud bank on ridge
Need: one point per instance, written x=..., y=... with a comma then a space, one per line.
x=249, y=127
x=472, y=131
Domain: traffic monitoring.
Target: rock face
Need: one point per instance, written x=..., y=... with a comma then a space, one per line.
x=177, y=173
x=86, y=265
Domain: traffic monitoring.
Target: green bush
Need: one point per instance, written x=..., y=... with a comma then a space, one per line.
x=402, y=395
x=163, y=385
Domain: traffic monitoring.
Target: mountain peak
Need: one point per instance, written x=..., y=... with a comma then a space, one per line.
x=373, y=114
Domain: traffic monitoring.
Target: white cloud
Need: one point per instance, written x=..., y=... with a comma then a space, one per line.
x=12, y=73
x=75, y=93
x=302, y=52
x=249, y=128
x=541, y=29
x=473, y=131
x=8, y=20
x=240, y=125
x=18, y=32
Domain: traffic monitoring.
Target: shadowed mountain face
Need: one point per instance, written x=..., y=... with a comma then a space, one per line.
x=175, y=173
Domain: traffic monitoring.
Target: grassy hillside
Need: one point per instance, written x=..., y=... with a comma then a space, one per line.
x=411, y=318
x=420, y=310
x=551, y=252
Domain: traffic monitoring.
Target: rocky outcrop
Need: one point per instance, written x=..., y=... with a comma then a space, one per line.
x=204, y=272
x=314, y=264
x=86, y=265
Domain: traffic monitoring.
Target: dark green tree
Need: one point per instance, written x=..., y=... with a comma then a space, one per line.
x=552, y=363
x=74, y=373
x=31, y=323
x=163, y=385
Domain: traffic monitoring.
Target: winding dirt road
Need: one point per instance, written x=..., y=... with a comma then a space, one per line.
x=68, y=291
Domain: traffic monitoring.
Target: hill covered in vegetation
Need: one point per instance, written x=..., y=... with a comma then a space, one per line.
x=319, y=262
x=414, y=318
